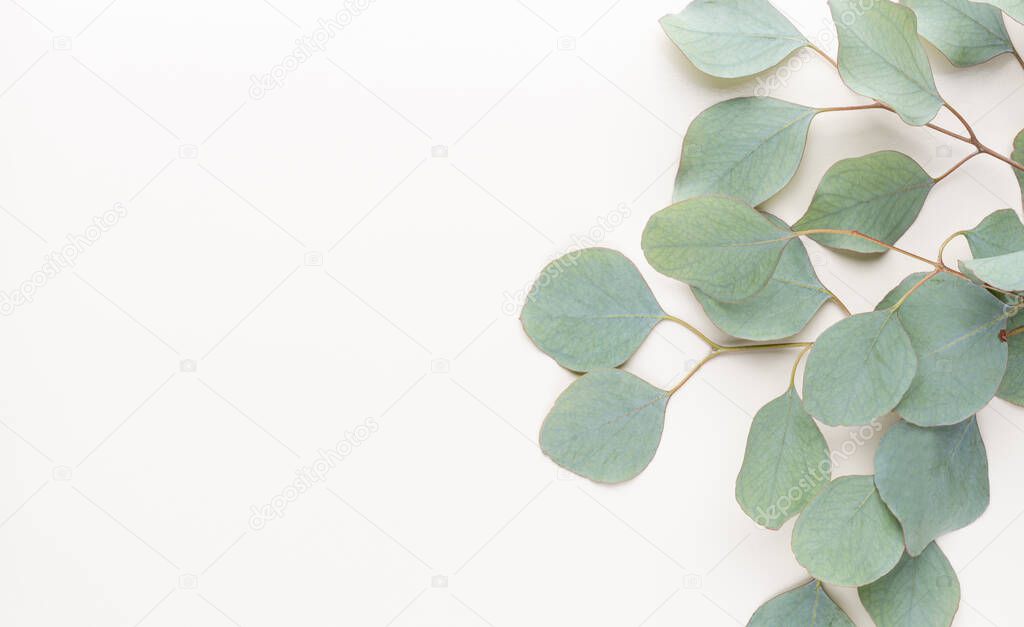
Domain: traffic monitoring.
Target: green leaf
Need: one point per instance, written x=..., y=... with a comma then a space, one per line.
x=606, y=426
x=847, y=536
x=719, y=245
x=1013, y=8
x=748, y=148
x=920, y=592
x=934, y=480
x=859, y=369
x=954, y=327
x=1012, y=387
x=732, y=38
x=881, y=57
x=968, y=33
x=879, y=195
x=784, y=307
x=1018, y=156
x=1000, y=233
x=1005, y=272
x=590, y=309
x=785, y=464
x=807, y=605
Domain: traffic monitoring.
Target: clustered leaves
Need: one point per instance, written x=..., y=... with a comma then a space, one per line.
x=936, y=350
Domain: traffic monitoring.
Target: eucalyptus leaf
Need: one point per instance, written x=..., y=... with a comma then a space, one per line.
x=846, y=536
x=748, y=148
x=1005, y=272
x=1018, y=156
x=807, y=605
x=1013, y=8
x=859, y=369
x=934, y=479
x=954, y=326
x=968, y=33
x=1012, y=387
x=1000, y=233
x=606, y=426
x=881, y=57
x=793, y=295
x=785, y=464
x=879, y=195
x=719, y=245
x=921, y=591
x=590, y=309
x=733, y=38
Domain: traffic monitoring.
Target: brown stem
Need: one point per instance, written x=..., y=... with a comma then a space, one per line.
x=957, y=166
x=1016, y=331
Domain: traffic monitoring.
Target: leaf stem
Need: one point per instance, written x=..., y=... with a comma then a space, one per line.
x=693, y=371
x=1016, y=331
x=957, y=166
x=718, y=349
x=792, y=375
x=715, y=346
x=864, y=236
x=835, y=299
x=942, y=248
x=873, y=105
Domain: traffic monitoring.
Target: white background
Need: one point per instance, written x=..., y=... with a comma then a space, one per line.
x=350, y=250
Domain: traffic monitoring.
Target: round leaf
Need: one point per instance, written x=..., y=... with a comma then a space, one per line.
x=1004, y=272
x=1018, y=147
x=846, y=536
x=934, y=480
x=920, y=591
x=606, y=426
x=784, y=307
x=1000, y=233
x=881, y=57
x=719, y=245
x=732, y=38
x=748, y=148
x=590, y=309
x=807, y=605
x=954, y=326
x=968, y=33
x=879, y=195
x=859, y=369
x=785, y=464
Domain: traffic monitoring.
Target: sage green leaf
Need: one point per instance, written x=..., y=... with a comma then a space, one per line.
x=719, y=245
x=859, y=369
x=793, y=295
x=1000, y=233
x=785, y=465
x=934, y=479
x=954, y=326
x=879, y=195
x=590, y=309
x=807, y=605
x=920, y=592
x=1018, y=156
x=968, y=33
x=881, y=57
x=846, y=535
x=732, y=38
x=1013, y=8
x=1012, y=387
x=748, y=148
x=606, y=426
x=1005, y=272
